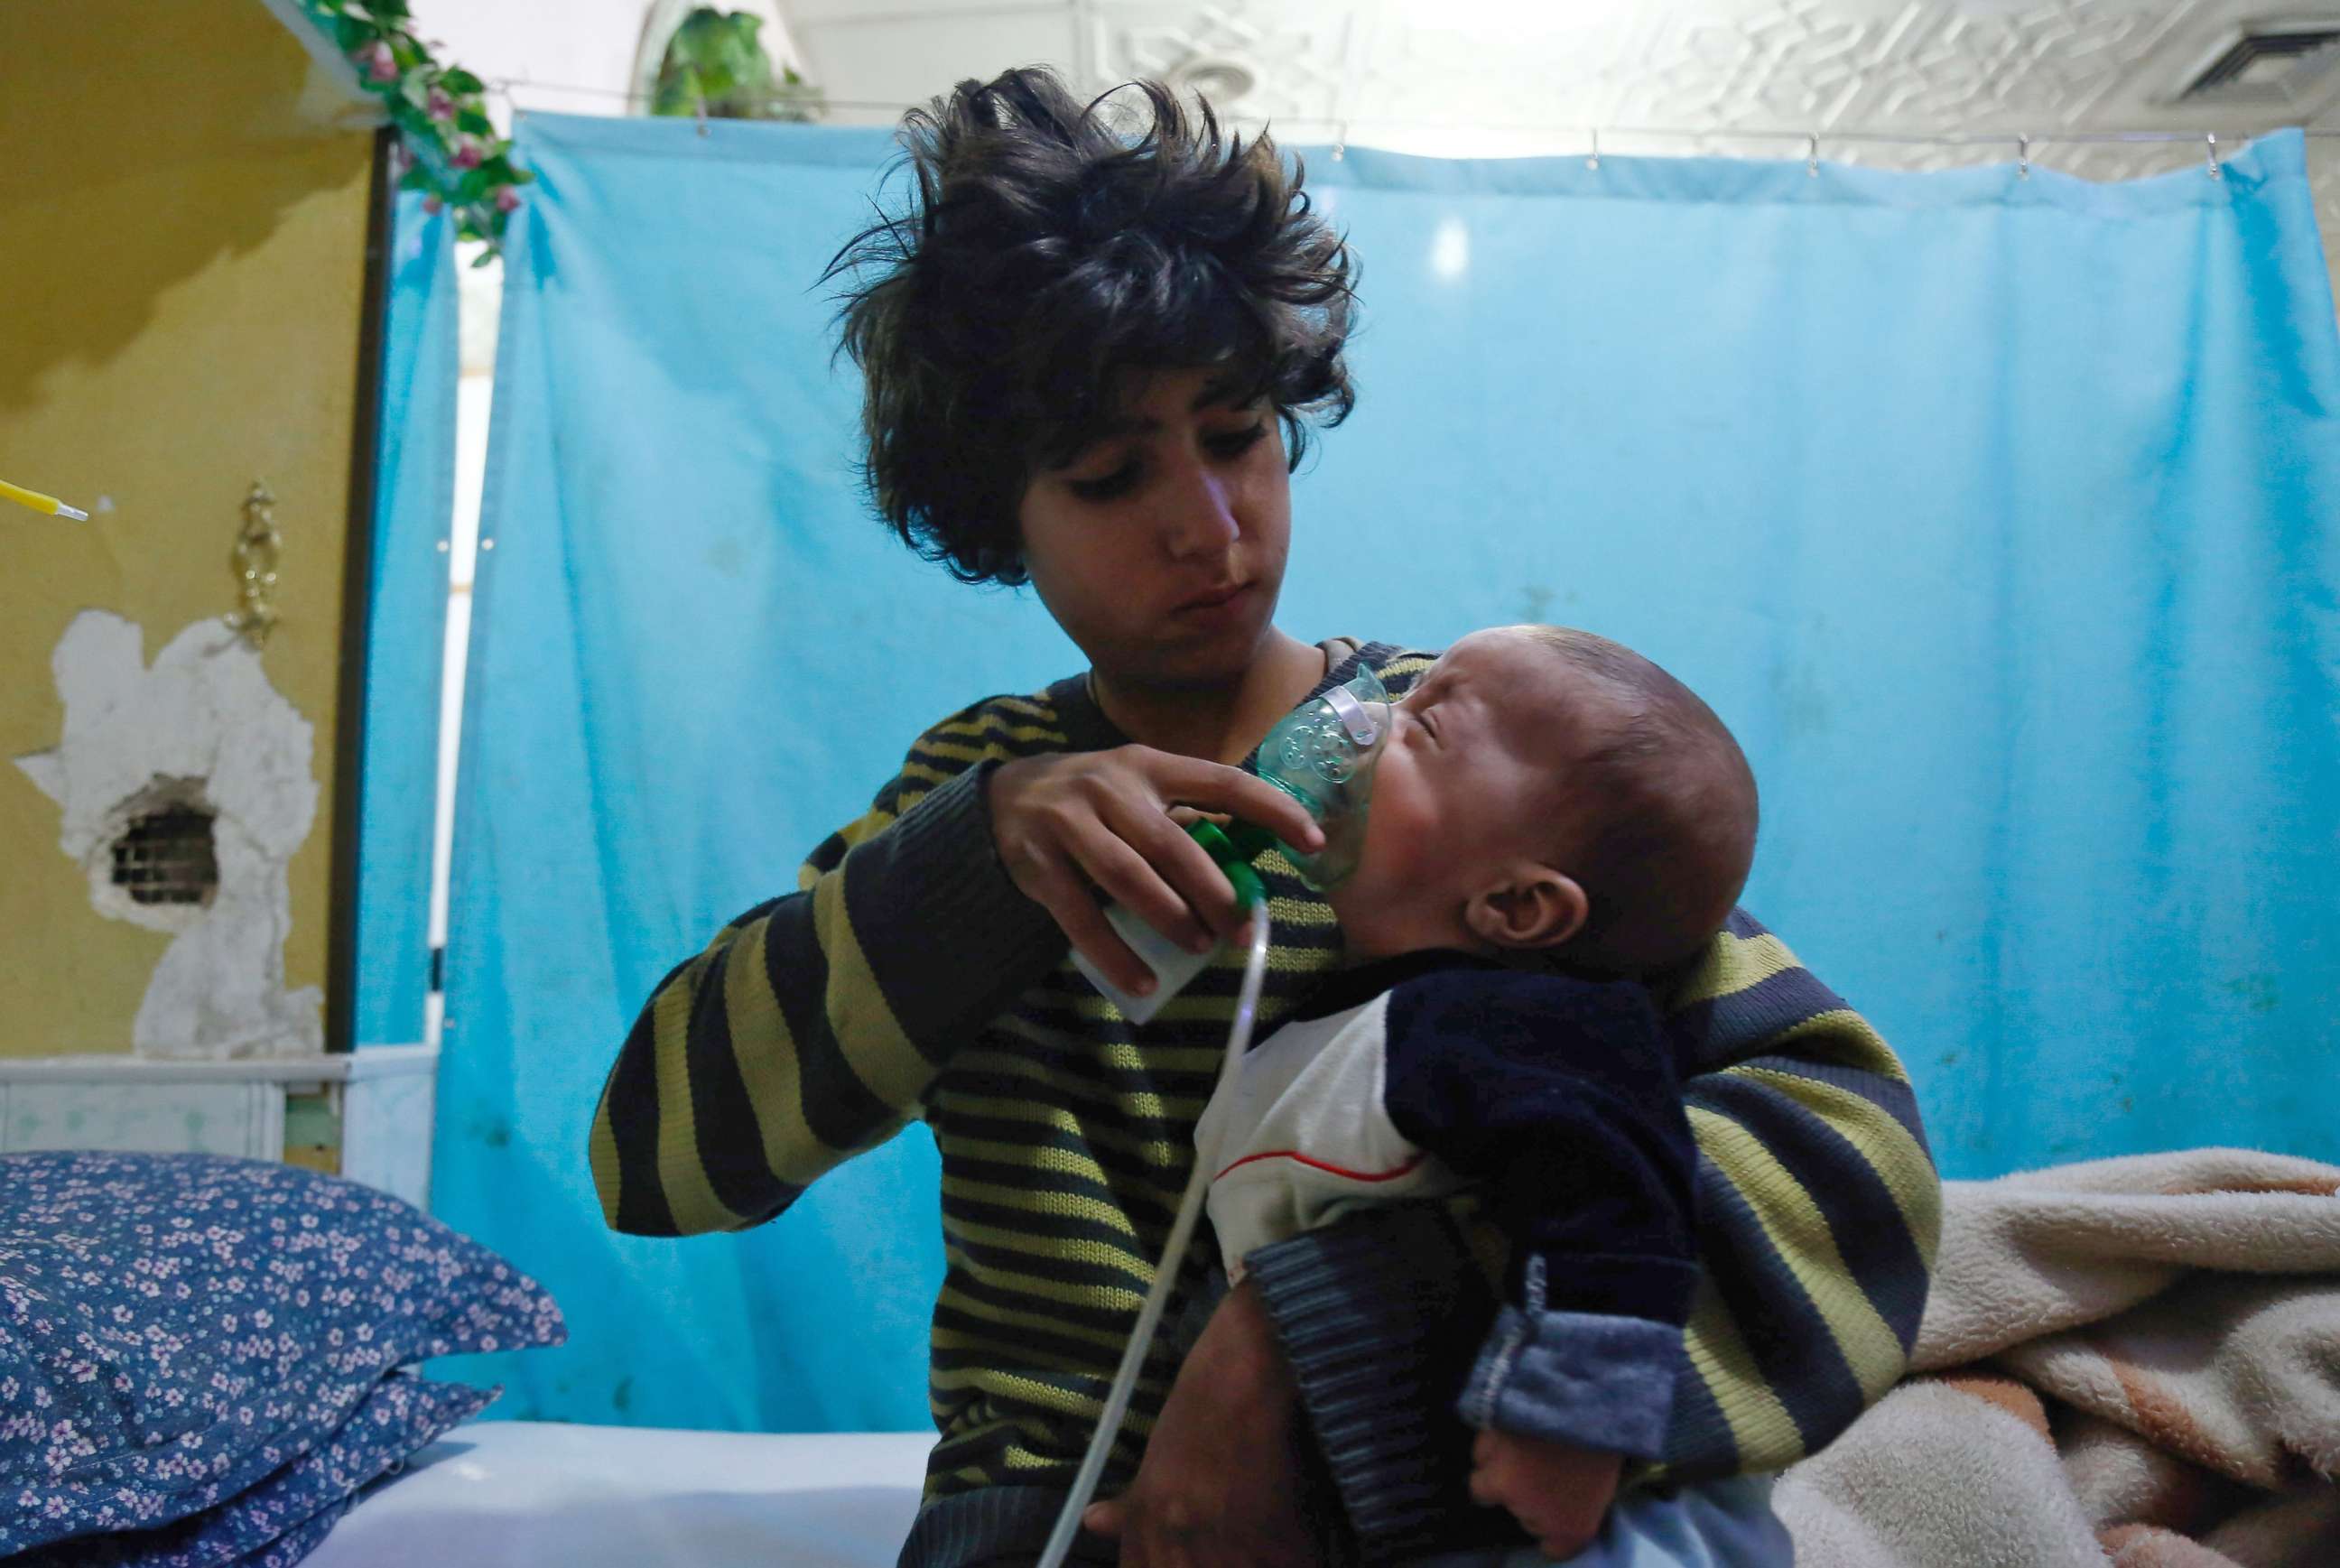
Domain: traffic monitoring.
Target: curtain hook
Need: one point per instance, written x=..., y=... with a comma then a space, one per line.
x=2022, y=158
x=1594, y=161
x=702, y=115
x=1813, y=153
x=2216, y=171
x=1341, y=143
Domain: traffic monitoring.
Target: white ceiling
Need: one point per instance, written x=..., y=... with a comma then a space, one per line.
x=1487, y=78
x=2013, y=64
x=1512, y=76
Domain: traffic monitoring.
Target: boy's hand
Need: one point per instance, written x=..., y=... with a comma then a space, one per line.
x=1220, y=1483
x=1559, y=1492
x=1070, y=825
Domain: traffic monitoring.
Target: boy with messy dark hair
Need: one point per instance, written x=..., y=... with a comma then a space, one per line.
x=1093, y=346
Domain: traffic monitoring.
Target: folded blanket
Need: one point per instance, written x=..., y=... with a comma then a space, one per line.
x=2133, y=1361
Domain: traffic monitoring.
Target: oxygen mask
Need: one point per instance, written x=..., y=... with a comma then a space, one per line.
x=1321, y=754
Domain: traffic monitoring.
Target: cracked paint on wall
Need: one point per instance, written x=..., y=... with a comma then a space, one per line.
x=201, y=729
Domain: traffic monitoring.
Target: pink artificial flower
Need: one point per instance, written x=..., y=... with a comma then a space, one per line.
x=431, y=205
x=469, y=151
x=440, y=106
x=507, y=198
x=380, y=64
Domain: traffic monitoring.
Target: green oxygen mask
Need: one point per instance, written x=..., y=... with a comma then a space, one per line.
x=1321, y=754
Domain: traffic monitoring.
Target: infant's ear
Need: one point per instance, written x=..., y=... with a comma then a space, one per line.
x=1534, y=907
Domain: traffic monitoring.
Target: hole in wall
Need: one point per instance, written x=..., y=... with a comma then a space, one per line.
x=167, y=856
x=185, y=788
x=162, y=855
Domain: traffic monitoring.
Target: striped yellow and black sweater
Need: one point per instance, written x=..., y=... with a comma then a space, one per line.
x=909, y=978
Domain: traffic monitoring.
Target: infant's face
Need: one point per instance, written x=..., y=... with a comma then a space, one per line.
x=1464, y=786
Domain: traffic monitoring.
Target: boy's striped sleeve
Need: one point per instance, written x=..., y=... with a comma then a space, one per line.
x=808, y=1030
x=1819, y=1210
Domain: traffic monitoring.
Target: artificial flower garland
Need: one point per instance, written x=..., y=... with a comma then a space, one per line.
x=450, y=150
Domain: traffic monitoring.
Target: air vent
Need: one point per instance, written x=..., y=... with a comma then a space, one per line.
x=2269, y=64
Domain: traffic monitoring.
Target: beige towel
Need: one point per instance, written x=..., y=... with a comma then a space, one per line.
x=2142, y=1367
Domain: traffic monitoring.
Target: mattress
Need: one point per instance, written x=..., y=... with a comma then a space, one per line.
x=528, y=1493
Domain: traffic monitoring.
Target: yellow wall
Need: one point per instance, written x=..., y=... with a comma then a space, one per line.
x=181, y=266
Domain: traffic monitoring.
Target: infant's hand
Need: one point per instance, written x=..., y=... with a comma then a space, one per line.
x=1559, y=1492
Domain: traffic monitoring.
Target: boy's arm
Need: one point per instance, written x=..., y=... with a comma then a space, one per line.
x=1817, y=1212
x=810, y=1026
x=1558, y=1099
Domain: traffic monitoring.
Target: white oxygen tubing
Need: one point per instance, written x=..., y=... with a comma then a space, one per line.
x=1166, y=1273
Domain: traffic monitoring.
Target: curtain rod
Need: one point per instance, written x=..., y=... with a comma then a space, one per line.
x=1343, y=128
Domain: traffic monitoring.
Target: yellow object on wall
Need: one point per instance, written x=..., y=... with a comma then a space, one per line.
x=182, y=233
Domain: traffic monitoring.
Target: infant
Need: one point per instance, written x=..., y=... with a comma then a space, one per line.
x=1552, y=819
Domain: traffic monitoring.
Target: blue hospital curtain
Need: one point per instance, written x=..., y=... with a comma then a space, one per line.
x=414, y=499
x=1995, y=515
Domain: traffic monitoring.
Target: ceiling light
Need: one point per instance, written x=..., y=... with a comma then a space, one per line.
x=1220, y=81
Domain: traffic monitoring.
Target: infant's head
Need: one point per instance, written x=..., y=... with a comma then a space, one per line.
x=1548, y=790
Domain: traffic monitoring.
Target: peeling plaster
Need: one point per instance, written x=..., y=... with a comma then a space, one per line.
x=204, y=725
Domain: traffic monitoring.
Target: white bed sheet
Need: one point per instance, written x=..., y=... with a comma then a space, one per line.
x=532, y=1494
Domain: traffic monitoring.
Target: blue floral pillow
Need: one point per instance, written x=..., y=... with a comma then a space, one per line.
x=281, y=1518
x=176, y=1329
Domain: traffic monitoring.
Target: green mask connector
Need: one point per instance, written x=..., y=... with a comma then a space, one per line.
x=1233, y=848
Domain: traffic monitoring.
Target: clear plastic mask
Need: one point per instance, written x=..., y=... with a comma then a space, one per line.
x=1321, y=754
